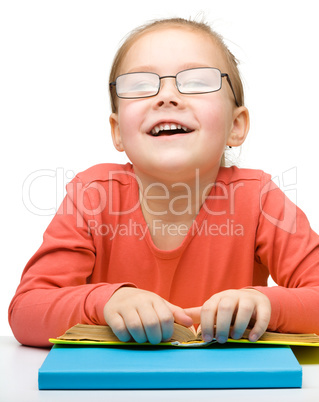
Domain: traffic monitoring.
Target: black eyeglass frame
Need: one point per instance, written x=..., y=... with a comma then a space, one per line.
x=113, y=84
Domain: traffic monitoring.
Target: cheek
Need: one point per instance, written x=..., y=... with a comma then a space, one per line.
x=215, y=119
x=126, y=123
x=130, y=115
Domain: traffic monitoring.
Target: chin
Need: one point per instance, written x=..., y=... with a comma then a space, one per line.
x=175, y=171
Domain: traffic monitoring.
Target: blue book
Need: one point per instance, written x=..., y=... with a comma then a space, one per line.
x=217, y=366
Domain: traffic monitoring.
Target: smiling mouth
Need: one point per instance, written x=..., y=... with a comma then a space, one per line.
x=169, y=129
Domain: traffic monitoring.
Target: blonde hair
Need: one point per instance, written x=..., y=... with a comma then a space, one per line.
x=202, y=27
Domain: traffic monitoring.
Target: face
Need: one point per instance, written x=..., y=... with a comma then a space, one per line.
x=209, y=118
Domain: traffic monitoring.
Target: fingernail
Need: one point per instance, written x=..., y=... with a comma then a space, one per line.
x=207, y=338
x=253, y=338
x=221, y=339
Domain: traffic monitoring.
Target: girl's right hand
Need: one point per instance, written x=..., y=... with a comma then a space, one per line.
x=143, y=316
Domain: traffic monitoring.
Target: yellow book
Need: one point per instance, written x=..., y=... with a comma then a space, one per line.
x=82, y=334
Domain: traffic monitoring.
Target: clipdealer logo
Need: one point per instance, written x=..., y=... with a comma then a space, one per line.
x=58, y=179
x=158, y=227
x=287, y=183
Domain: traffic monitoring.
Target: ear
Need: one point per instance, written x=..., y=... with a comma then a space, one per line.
x=115, y=130
x=240, y=127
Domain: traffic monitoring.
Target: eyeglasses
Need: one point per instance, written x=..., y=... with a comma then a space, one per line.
x=193, y=81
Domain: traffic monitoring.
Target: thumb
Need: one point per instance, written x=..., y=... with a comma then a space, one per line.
x=194, y=314
x=180, y=315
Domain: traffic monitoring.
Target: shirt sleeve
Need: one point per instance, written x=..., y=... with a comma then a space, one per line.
x=54, y=293
x=286, y=244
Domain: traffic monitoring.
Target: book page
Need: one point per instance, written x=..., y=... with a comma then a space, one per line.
x=83, y=332
x=184, y=334
x=104, y=333
x=181, y=334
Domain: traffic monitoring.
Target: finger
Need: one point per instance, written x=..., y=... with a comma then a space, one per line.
x=135, y=327
x=194, y=313
x=118, y=326
x=151, y=325
x=225, y=312
x=263, y=314
x=208, y=319
x=179, y=315
x=157, y=321
x=165, y=318
x=245, y=311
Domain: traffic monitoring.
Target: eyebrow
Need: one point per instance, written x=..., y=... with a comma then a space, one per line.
x=141, y=68
x=149, y=68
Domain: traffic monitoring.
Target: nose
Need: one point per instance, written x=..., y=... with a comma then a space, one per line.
x=168, y=94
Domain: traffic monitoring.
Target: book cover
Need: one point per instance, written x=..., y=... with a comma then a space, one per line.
x=217, y=366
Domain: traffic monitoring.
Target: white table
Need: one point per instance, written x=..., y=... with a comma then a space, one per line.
x=19, y=383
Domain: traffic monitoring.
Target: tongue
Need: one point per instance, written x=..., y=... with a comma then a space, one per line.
x=170, y=132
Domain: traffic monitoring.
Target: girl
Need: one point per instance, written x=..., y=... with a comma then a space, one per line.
x=174, y=236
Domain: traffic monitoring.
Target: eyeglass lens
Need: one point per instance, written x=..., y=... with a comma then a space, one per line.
x=200, y=80
x=137, y=85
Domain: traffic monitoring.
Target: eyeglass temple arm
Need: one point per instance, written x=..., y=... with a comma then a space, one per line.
x=231, y=87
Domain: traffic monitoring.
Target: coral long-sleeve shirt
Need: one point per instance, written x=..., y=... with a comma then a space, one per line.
x=98, y=241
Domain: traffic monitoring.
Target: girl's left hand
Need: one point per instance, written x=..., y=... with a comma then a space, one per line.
x=238, y=308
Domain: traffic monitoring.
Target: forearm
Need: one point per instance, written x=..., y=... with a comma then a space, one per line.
x=289, y=248
x=40, y=314
x=293, y=310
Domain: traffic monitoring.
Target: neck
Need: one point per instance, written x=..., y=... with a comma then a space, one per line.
x=173, y=201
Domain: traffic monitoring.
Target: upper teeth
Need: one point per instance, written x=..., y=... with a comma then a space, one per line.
x=163, y=127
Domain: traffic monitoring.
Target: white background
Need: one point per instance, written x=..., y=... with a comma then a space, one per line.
x=55, y=60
